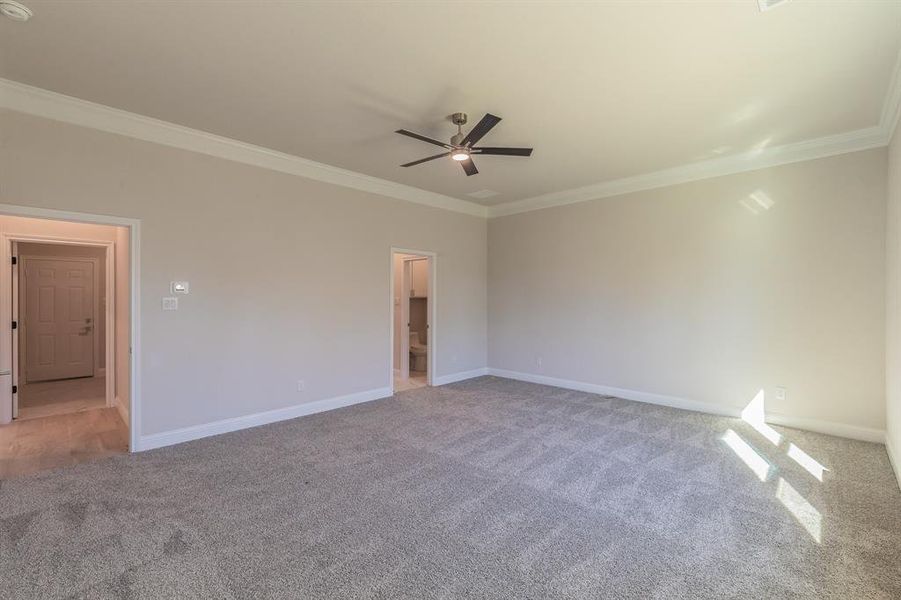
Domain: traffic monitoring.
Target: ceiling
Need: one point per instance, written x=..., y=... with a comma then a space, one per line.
x=602, y=91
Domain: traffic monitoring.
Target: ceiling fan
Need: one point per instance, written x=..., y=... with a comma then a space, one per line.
x=461, y=148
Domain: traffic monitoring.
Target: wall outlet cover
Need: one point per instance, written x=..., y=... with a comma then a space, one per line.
x=170, y=303
x=780, y=393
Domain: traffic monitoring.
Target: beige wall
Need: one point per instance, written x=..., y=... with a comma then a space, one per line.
x=289, y=277
x=419, y=318
x=893, y=305
x=681, y=291
x=686, y=292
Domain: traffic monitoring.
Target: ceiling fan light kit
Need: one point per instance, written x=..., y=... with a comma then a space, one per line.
x=462, y=147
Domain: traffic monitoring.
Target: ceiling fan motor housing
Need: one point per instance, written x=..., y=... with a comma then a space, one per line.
x=458, y=119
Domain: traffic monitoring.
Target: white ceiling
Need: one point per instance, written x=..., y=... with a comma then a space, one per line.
x=601, y=90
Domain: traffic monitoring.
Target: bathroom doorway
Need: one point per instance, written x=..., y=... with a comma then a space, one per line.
x=412, y=279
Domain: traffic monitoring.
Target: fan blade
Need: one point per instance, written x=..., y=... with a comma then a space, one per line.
x=469, y=166
x=481, y=128
x=423, y=138
x=504, y=151
x=422, y=160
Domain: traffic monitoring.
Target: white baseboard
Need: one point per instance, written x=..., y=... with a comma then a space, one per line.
x=123, y=410
x=894, y=458
x=606, y=390
x=454, y=377
x=853, y=432
x=195, y=432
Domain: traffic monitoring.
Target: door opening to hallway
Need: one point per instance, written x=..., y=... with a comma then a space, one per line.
x=66, y=345
x=61, y=333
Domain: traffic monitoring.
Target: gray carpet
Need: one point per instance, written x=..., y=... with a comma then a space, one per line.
x=488, y=488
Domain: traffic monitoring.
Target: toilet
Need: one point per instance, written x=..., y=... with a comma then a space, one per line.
x=419, y=353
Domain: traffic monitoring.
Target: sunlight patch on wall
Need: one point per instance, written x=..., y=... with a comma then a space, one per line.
x=757, y=202
x=754, y=415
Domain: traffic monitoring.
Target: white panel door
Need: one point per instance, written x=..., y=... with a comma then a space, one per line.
x=58, y=319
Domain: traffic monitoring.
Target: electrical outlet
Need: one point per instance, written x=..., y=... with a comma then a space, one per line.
x=539, y=362
x=301, y=385
x=170, y=303
x=780, y=393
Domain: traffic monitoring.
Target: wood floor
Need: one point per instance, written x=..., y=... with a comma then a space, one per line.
x=64, y=396
x=56, y=441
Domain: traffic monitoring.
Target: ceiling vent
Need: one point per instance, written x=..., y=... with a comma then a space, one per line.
x=766, y=5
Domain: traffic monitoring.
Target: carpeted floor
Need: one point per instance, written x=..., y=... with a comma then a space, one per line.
x=488, y=488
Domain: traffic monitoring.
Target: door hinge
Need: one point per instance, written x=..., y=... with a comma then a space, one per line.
x=15, y=260
x=15, y=325
x=15, y=389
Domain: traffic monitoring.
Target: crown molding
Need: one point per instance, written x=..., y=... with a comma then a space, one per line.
x=862, y=139
x=59, y=107
x=51, y=105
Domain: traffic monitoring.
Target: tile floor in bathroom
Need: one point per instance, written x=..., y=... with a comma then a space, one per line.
x=416, y=380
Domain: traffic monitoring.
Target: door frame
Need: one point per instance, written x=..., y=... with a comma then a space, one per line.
x=431, y=313
x=109, y=317
x=134, y=274
x=404, y=341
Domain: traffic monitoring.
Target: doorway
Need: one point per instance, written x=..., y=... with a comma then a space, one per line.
x=67, y=294
x=61, y=315
x=413, y=332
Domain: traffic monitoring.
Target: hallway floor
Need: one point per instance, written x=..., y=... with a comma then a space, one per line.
x=38, y=444
x=46, y=398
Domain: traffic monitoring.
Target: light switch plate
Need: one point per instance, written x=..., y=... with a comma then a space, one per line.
x=170, y=303
x=179, y=287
